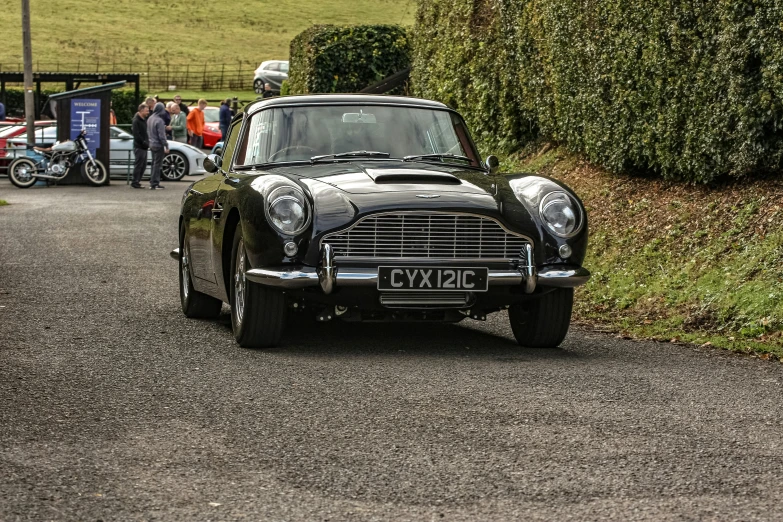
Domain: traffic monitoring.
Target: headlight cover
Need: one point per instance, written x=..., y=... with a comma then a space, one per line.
x=287, y=210
x=561, y=213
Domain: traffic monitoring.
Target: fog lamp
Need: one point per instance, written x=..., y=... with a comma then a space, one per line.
x=290, y=249
x=564, y=251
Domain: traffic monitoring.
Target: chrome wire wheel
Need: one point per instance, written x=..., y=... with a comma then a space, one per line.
x=184, y=266
x=174, y=166
x=240, y=284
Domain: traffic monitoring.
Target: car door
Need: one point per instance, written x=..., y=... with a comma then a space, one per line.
x=272, y=74
x=227, y=185
x=120, y=152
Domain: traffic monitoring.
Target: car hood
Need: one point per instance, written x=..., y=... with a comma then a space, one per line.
x=373, y=177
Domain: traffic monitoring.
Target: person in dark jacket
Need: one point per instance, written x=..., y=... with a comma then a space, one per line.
x=156, y=128
x=184, y=108
x=141, y=143
x=225, y=118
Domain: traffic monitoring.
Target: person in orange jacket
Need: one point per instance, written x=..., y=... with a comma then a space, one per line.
x=196, y=124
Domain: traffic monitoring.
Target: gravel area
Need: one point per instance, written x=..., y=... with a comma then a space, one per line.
x=114, y=406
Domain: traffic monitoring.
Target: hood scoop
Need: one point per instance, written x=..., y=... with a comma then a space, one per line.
x=412, y=176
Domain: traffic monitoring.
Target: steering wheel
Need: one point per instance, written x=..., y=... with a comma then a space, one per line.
x=295, y=147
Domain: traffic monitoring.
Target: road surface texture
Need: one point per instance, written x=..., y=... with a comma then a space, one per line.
x=114, y=406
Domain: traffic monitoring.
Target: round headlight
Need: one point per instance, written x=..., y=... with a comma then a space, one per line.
x=287, y=210
x=561, y=214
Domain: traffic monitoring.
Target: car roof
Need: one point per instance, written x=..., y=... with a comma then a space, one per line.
x=342, y=99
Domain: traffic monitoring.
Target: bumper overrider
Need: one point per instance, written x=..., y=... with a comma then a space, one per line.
x=329, y=276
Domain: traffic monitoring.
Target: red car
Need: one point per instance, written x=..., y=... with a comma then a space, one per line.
x=212, y=132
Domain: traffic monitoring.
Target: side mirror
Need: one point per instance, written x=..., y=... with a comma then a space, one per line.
x=492, y=164
x=212, y=163
x=125, y=136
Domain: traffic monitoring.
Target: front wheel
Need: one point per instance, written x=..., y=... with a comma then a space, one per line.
x=543, y=322
x=94, y=172
x=22, y=172
x=258, y=86
x=175, y=166
x=257, y=312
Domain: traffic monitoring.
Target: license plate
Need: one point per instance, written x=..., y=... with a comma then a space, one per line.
x=432, y=278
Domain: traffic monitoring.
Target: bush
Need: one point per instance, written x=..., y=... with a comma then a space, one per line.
x=687, y=89
x=123, y=102
x=15, y=101
x=328, y=58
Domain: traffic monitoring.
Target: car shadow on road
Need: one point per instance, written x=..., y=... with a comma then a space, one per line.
x=307, y=337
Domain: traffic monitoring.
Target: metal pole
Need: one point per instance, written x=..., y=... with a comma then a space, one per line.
x=27, y=45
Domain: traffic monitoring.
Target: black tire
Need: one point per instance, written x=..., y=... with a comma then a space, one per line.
x=258, y=86
x=543, y=322
x=257, y=313
x=94, y=173
x=21, y=171
x=218, y=151
x=175, y=166
x=194, y=304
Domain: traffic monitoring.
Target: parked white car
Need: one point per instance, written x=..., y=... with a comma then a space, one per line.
x=273, y=72
x=182, y=159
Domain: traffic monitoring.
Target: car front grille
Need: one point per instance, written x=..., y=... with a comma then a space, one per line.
x=426, y=235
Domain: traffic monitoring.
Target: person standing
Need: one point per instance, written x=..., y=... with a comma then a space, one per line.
x=267, y=91
x=225, y=118
x=184, y=108
x=150, y=101
x=179, y=124
x=156, y=128
x=141, y=144
x=196, y=124
x=112, y=116
x=2, y=111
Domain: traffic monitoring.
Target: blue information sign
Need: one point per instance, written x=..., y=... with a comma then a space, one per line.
x=86, y=114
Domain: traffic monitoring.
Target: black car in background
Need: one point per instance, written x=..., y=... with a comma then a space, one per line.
x=372, y=208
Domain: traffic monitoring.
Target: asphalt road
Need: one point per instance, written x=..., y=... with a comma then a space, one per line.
x=114, y=406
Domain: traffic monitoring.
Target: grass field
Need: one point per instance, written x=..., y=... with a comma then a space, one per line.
x=176, y=31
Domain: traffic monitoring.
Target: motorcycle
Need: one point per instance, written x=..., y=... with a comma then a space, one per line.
x=53, y=164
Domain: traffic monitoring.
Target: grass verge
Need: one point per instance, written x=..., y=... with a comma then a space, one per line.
x=696, y=264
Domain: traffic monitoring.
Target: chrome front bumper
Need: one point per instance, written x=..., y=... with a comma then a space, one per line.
x=328, y=275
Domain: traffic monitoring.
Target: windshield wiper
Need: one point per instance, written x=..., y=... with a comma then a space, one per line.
x=436, y=156
x=352, y=154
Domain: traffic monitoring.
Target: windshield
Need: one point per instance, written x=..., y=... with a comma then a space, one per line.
x=211, y=115
x=286, y=134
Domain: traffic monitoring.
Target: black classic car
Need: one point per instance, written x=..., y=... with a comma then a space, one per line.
x=373, y=208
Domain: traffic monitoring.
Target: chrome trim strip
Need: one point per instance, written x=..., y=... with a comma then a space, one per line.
x=174, y=254
x=563, y=276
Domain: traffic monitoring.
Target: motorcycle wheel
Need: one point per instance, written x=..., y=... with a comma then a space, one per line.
x=22, y=171
x=95, y=173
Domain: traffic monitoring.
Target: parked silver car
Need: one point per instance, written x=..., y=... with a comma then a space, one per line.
x=182, y=159
x=273, y=72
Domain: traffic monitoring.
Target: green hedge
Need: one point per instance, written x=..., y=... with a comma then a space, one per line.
x=329, y=58
x=689, y=89
x=123, y=102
